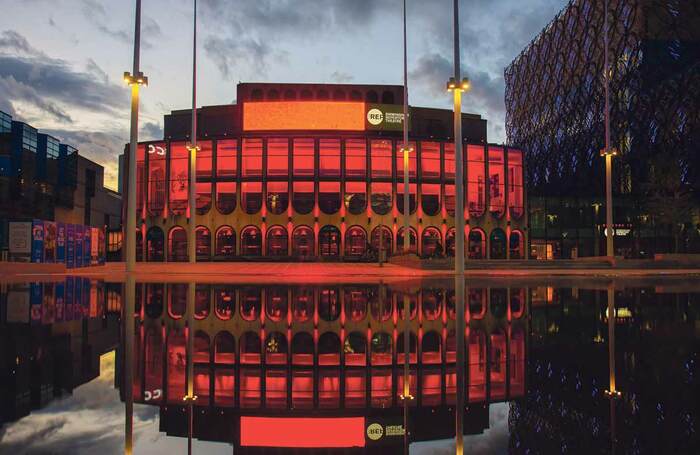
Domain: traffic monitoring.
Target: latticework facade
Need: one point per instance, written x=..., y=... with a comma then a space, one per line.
x=555, y=102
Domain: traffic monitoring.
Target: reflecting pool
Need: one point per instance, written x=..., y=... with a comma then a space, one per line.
x=552, y=366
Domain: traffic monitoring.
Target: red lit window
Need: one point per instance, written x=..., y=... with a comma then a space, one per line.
x=476, y=180
x=516, y=245
x=355, y=304
x=302, y=242
x=303, y=197
x=226, y=158
x=203, y=197
x=412, y=240
x=155, y=244
x=515, y=183
x=431, y=302
x=225, y=242
x=329, y=197
x=431, y=243
x=252, y=158
x=141, y=177
x=251, y=197
x=328, y=304
x=226, y=197
x=355, y=159
x=277, y=197
x=430, y=198
x=497, y=180
x=153, y=360
x=355, y=242
x=302, y=305
x=450, y=168
x=203, y=243
x=450, y=198
x=381, y=198
x=329, y=157
x=430, y=160
x=303, y=157
x=276, y=304
x=412, y=161
x=381, y=159
x=356, y=197
x=156, y=178
x=225, y=307
x=382, y=240
x=277, y=157
x=179, y=178
x=329, y=241
x=411, y=196
x=477, y=244
x=251, y=241
x=177, y=241
x=204, y=160
x=176, y=366
x=277, y=241
x=251, y=307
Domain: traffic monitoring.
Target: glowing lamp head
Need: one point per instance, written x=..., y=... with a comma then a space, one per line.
x=451, y=84
x=466, y=84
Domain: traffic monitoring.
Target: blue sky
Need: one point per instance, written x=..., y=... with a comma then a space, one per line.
x=61, y=61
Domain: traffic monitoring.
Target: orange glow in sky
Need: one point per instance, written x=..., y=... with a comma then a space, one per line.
x=303, y=115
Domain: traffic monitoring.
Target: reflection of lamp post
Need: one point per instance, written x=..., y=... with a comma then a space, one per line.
x=127, y=384
x=193, y=148
x=190, y=397
x=608, y=152
x=612, y=393
x=457, y=89
x=134, y=79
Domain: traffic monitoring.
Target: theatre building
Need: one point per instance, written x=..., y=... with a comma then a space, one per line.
x=307, y=171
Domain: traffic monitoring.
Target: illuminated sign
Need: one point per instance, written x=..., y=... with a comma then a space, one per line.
x=156, y=150
x=319, y=116
x=303, y=432
x=387, y=430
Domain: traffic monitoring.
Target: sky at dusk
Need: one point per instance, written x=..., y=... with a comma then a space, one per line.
x=61, y=61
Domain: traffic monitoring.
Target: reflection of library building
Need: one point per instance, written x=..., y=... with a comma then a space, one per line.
x=297, y=171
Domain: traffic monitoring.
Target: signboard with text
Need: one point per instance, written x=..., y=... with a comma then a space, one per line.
x=384, y=117
x=20, y=238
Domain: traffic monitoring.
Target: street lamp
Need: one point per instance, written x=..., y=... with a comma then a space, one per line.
x=193, y=149
x=134, y=79
x=608, y=152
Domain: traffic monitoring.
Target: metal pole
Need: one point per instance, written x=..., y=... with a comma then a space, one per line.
x=127, y=385
x=192, y=199
x=406, y=151
x=134, y=138
x=190, y=398
x=612, y=391
x=459, y=243
x=406, y=377
x=609, y=230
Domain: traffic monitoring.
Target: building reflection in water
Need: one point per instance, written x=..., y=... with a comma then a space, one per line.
x=331, y=353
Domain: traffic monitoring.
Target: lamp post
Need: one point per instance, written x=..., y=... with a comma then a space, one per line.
x=406, y=149
x=612, y=393
x=608, y=152
x=193, y=149
x=456, y=86
x=127, y=384
x=135, y=80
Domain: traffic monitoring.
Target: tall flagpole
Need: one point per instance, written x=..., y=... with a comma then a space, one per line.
x=135, y=79
x=457, y=86
x=192, y=199
x=405, y=148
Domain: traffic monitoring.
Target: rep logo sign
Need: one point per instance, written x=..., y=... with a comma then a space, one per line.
x=375, y=116
x=375, y=431
x=384, y=117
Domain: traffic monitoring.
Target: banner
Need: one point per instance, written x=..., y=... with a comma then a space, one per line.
x=70, y=246
x=35, y=301
x=49, y=241
x=86, y=246
x=37, y=241
x=20, y=238
x=61, y=242
x=94, y=246
x=384, y=117
x=78, y=246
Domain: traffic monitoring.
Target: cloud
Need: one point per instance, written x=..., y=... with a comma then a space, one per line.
x=341, y=77
x=97, y=15
x=246, y=55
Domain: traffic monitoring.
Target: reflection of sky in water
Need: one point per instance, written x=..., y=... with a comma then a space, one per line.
x=91, y=421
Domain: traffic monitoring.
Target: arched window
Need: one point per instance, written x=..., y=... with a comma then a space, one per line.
x=224, y=348
x=256, y=95
x=251, y=241
x=329, y=241
x=329, y=349
x=497, y=181
x=431, y=348
x=328, y=304
x=155, y=241
x=277, y=242
x=432, y=303
x=371, y=97
x=177, y=245
x=322, y=95
x=355, y=96
x=412, y=304
x=302, y=349
x=203, y=236
x=251, y=197
x=202, y=301
x=226, y=197
x=302, y=242
x=290, y=94
x=355, y=242
x=225, y=242
x=356, y=197
x=450, y=243
x=250, y=303
x=515, y=183
x=329, y=197
x=497, y=244
x=477, y=244
x=306, y=95
x=516, y=245
x=498, y=302
x=355, y=303
x=381, y=197
x=273, y=95
x=302, y=303
x=155, y=295
x=430, y=198
x=431, y=242
x=225, y=302
x=277, y=197
x=339, y=95
x=387, y=97
x=381, y=346
x=156, y=178
x=355, y=347
x=412, y=240
x=412, y=188
x=382, y=236
x=276, y=349
x=177, y=300
x=250, y=347
x=179, y=178
x=477, y=302
x=303, y=197
x=476, y=183
x=381, y=305
x=276, y=303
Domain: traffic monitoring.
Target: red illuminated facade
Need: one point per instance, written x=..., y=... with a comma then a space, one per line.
x=302, y=171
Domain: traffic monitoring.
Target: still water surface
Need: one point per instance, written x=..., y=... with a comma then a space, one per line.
x=322, y=366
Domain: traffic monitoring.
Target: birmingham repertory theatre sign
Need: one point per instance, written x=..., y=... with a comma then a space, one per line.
x=321, y=115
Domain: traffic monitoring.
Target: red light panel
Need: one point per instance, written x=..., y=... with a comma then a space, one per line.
x=303, y=432
x=303, y=115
